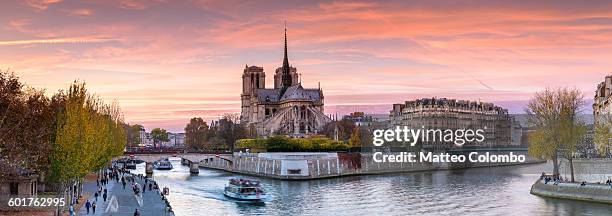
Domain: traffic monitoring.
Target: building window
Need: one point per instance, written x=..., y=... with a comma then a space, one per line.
x=14, y=188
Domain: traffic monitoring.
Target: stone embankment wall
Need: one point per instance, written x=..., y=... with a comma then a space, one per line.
x=325, y=165
x=590, y=192
x=590, y=170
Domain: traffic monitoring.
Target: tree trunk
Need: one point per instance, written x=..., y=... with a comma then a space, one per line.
x=555, y=165
x=571, y=161
x=59, y=192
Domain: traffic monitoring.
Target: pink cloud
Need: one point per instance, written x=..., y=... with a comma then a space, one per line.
x=83, y=40
x=81, y=12
x=41, y=4
x=132, y=4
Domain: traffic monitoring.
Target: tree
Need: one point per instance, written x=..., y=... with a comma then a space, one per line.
x=355, y=140
x=229, y=129
x=133, y=134
x=345, y=128
x=196, y=133
x=554, y=115
x=602, y=135
x=26, y=127
x=159, y=135
x=88, y=134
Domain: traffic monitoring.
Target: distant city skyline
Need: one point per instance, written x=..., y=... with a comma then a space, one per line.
x=166, y=62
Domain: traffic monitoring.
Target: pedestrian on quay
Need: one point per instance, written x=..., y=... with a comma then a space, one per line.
x=105, y=190
x=87, y=206
x=96, y=195
x=93, y=207
x=136, y=213
x=104, y=196
x=144, y=188
x=123, y=182
x=71, y=210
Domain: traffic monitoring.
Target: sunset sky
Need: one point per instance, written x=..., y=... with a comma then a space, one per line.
x=168, y=61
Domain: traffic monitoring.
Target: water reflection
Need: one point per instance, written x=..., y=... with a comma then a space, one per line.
x=484, y=191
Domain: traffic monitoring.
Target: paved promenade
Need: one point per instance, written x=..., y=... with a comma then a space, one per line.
x=151, y=204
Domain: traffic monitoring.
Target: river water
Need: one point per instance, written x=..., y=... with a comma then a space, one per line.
x=480, y=191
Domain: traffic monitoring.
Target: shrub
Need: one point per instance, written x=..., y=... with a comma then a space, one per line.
x=286, y=144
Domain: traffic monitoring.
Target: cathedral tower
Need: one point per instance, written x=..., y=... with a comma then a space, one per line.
x=253, y=78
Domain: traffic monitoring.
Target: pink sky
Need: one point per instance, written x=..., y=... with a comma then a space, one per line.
x=166, y=62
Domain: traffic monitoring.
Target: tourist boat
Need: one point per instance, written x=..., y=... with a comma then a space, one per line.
x=245, y=190
x=163, y=164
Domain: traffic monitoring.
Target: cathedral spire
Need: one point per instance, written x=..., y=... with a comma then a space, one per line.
x=286, y=79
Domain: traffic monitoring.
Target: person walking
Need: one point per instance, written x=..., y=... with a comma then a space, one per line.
x=104, y=196
x=71, y=210
x=136, y=213
x=144, y=188
x=87, y=206
x=96, y=195
x=123, y=182
x=93, y=207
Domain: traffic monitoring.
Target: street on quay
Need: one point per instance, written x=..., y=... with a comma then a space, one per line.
x=152, y=203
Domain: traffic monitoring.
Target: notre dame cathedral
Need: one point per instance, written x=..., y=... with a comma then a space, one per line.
x=286, y=109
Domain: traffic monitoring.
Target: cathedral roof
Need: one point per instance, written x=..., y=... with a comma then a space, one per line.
x=294, y=92
x=297, y=92
x=268, y=95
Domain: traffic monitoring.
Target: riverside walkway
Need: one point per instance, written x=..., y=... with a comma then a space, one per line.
x=151, y=204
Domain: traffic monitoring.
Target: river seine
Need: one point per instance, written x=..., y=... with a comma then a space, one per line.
x=481, y=191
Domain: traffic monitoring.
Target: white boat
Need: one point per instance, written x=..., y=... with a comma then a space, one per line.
x=246, y=190
x=163, y=164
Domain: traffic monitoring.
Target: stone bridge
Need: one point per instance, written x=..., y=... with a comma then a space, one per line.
x=191, y=159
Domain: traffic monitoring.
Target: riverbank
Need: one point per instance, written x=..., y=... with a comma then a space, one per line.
x=600, y=193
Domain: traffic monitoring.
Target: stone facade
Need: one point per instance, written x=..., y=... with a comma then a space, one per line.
x=442, y=113
x=22, y=186
x=602, y=100
x=287, y=109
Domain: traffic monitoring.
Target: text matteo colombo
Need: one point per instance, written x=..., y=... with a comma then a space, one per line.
x=458, y=137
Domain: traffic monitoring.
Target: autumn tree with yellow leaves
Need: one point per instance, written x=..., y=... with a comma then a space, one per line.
x=554, y=115
x=89, y=133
